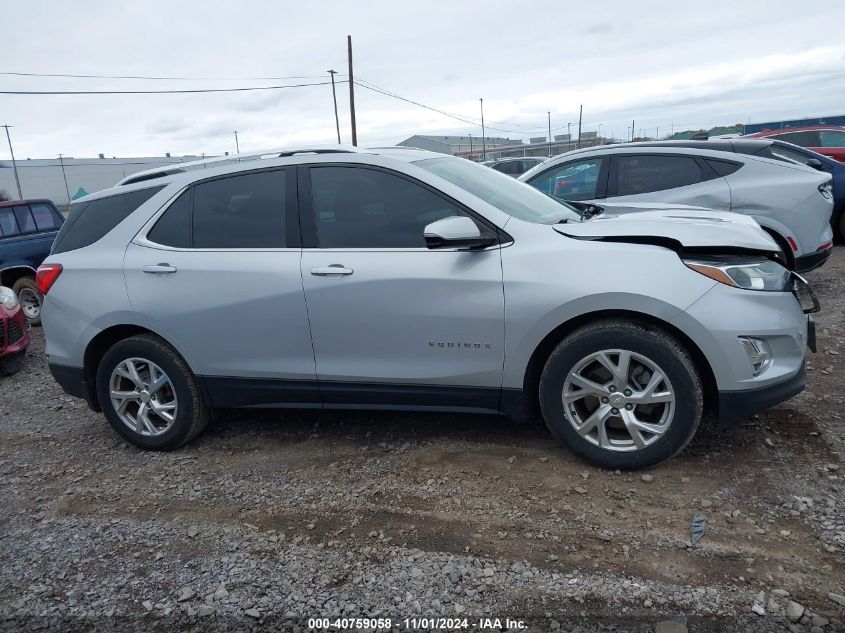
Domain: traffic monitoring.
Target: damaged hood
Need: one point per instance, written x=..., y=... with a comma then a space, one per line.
x=691, y=227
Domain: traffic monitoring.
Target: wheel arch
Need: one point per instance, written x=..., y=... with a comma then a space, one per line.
x=100, y=344
x=528, y=406
x=10, y=274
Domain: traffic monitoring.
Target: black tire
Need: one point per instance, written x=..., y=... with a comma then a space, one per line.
x=652, y=343
x=28, y=283
x=11, y=364
x=839, y=229
x=193, y=413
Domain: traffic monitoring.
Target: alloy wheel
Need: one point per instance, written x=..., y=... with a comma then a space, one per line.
x=143, y=396
x=618, y=400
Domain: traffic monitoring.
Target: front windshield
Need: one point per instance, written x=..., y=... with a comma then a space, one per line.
x=503, y=192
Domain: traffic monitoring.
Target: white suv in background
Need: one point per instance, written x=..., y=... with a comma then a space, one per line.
x=792, y=202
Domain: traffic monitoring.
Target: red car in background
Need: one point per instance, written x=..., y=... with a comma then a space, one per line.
x=14, y=332
x=824, y=139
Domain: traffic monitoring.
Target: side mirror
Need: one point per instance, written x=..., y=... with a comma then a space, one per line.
x=455, y=232
x=815, y=163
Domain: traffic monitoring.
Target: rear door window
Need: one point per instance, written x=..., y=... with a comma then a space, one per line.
x=45, y=216
x=90, y=221
x=638, y=174
x=244, y=211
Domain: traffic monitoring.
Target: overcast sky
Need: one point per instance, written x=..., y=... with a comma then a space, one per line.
x=684, y=64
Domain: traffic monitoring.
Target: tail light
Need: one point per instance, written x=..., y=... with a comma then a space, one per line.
x=46, y=276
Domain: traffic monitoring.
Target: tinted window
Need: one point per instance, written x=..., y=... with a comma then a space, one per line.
x=832, y=138
x=779, y=152
x=173, y=228
x=723, y=167
x=26, y=223
x=8, y=224
x=643, y=174
x=89, y=221
x=804, y=139
x=46, y=217
x=245, y=211
x=571, y=181
x=365, y=208
x=510, y=167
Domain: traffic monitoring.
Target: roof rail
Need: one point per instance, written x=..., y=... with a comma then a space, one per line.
x=159, y=172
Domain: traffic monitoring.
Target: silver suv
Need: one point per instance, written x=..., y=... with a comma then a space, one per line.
x=403, y=279
x=792, y=202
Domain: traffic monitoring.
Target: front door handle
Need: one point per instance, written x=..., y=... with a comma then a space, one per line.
x=159, y=269
x=328, y=271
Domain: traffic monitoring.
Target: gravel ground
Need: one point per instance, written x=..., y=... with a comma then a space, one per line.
x=272, y=517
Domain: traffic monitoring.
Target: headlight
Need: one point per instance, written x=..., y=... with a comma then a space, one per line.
x=8, y=298
x=750, y=275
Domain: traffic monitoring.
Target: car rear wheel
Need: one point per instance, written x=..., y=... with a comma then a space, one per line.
x=149, y=395
x=30, y=298
x=621, y=395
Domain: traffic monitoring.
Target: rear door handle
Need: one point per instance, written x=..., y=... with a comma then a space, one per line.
x=334, y=269
x=159, y=269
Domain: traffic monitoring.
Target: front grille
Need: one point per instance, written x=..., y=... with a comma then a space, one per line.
x=15, y=332
x=2, y=334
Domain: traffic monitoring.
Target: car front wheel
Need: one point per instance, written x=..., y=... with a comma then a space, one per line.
x=149, y=395
x=621, y=394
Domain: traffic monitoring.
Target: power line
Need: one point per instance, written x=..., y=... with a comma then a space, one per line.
x=465, y=119
x=158, y=92
x=156, y=78
x=459, y=117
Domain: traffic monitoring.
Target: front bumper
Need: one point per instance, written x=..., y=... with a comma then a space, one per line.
x=737, y=406
x=812, y=261
x=14, y=331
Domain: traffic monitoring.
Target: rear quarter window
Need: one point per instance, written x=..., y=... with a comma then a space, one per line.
x=90, y=221
x=723, y=167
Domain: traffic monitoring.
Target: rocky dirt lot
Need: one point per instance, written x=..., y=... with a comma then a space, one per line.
x=273, y=517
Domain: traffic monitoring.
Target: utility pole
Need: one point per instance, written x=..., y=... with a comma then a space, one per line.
x=657, y=134
x=351, y=92
x=599, y=134
x=470, y=145
x=483, y=135
x=237, y=145
x=334, y=98
x=569, y=134
x=64, y=175
x=580, y=113
x=14, y=164
x=549, y=114
x=633, y=131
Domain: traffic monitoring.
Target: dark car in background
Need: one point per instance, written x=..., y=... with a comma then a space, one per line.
x=27, y=231
x=824, y=139
x=515, y=166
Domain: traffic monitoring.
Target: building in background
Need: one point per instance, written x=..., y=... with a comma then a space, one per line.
x=454, y=144
x=46, y=178
x=538, y=147
x=753, y=128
